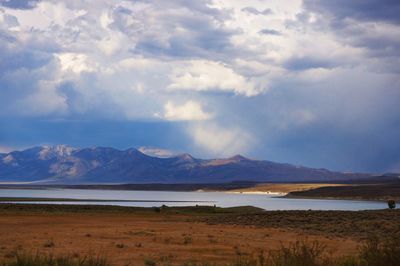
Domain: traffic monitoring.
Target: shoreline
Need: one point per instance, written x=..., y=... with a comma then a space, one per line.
x=256, y=193
x=320, y=191
x=33, y=199
x=288, y=196
x=275, y=194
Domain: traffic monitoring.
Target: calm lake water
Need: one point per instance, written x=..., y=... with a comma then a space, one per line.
x=170, y=198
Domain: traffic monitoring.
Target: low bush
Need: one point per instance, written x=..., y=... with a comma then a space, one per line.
x=27, y=259
x=377, y=251
x=299, y=253
x=372, y=252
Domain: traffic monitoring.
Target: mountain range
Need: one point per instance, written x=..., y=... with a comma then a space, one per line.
x=63, y=164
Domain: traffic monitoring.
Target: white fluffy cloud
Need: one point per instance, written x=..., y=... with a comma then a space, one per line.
x=219, y=140
x=77, y=63
x=135, y=55
x=189, y=111
x=201, y=75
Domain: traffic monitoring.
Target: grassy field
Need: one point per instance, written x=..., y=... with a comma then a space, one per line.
x=110, y=235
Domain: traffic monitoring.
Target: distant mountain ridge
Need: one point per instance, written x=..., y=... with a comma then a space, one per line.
x=62, y=164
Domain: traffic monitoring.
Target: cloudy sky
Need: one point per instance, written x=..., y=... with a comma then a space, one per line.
x=310, y=82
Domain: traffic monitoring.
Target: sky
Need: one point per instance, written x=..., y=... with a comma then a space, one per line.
x=311, y=82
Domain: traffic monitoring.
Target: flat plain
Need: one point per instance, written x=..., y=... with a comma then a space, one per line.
x=173, y=236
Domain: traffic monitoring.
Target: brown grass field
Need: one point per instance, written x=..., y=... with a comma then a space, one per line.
x=284, y=187
x=173, y=236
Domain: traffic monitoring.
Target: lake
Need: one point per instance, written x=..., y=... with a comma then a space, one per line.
x=171, y=198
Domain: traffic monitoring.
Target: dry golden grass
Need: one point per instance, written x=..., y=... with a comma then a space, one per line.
x=132, y=237
x=285, y=188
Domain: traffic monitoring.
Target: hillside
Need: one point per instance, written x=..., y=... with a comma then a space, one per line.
x=387, y=188
x=67, y=165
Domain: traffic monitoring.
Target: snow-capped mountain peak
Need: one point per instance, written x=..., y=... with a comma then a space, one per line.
x=49, y=152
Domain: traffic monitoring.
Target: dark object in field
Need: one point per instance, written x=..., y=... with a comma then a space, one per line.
x=391, y=204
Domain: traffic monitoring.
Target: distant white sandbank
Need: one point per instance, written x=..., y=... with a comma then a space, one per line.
x=258, y=193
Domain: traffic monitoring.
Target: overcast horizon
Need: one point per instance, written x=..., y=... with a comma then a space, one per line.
x=313, y=82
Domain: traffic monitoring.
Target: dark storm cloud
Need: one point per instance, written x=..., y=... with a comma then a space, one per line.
x=355, y=128
x=87, y=133
x=255, y=11
x=364, y=10
x=204, y=44
x=379, y=46
x=270, y=32
x=19, y=4
x=370, y=24
x=11, y=61
x=304, y=63
x=21, y=67
x=190, y=29
x=200, y=6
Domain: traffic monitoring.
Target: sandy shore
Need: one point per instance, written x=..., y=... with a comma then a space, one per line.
x=282, y=189
x=278, y=193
